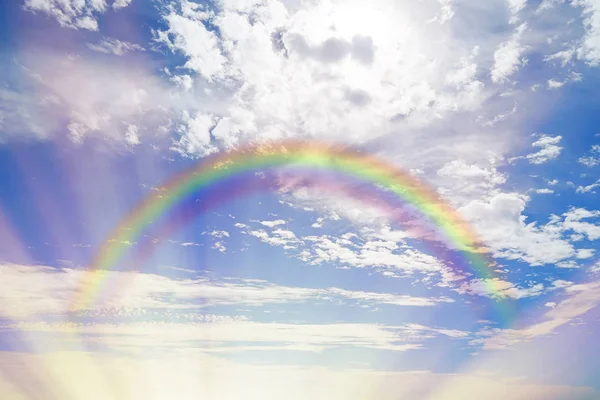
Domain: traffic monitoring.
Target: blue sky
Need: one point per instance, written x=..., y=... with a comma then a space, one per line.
x=493, y=105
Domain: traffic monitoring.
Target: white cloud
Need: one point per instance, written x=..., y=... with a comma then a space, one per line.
x=164, y=375
x=500, y=288
x=189, y=244
x=114, y=46
x=515, y=7
x=184, y=81
x=585, y=253
x=217, y=234
x=567, y=264
x=564, y=56
x=219, y=246
x=376, y=247
x=385, y=298
x=302, y=194
x=585, y=46
x=460, y=169
x=549, y=149
x=544, y=191
x=187, y=34
x=590, y=161
x=83, y=98
x=195, y=137
x=121, y=4
x=271, y=65
x=593, y=159
x=272, y=224
x=446, y=11
x=554, y=84
x=502, y=226
x=590, y=46
x=269, y=70
x=301, y=337
x=74, y=13
x=379, y=254
x=508, y=57
x=581, y=299
x=573, y=221
x=132, y=136
x=279, y=237
x=460, y=182
x=588, y=188
x=549, y=4
x=35, y=290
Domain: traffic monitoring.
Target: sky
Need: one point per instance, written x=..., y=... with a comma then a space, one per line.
x=300, y=289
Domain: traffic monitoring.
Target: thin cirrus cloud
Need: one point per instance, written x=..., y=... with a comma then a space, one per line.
x=580, y=299
x=226, y=335
x=114, y=46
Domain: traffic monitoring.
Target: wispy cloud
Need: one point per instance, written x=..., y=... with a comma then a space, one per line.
x=114, y=46
x=508, y=57
x=593, y=159
x=227, y=334
x=45, y=290
x=580, y=299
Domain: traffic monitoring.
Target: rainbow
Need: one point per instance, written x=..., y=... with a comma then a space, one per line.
x=207, y=175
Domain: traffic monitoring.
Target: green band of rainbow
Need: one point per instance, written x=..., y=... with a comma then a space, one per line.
x=306, y=154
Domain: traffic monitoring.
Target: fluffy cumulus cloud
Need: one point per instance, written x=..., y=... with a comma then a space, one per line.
x=263, y=70
x=257, y=70
x=460, y=182
x=501, y=223
x=503, y=226
x=278, y=70
x=188, y=34
x=311, y=72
